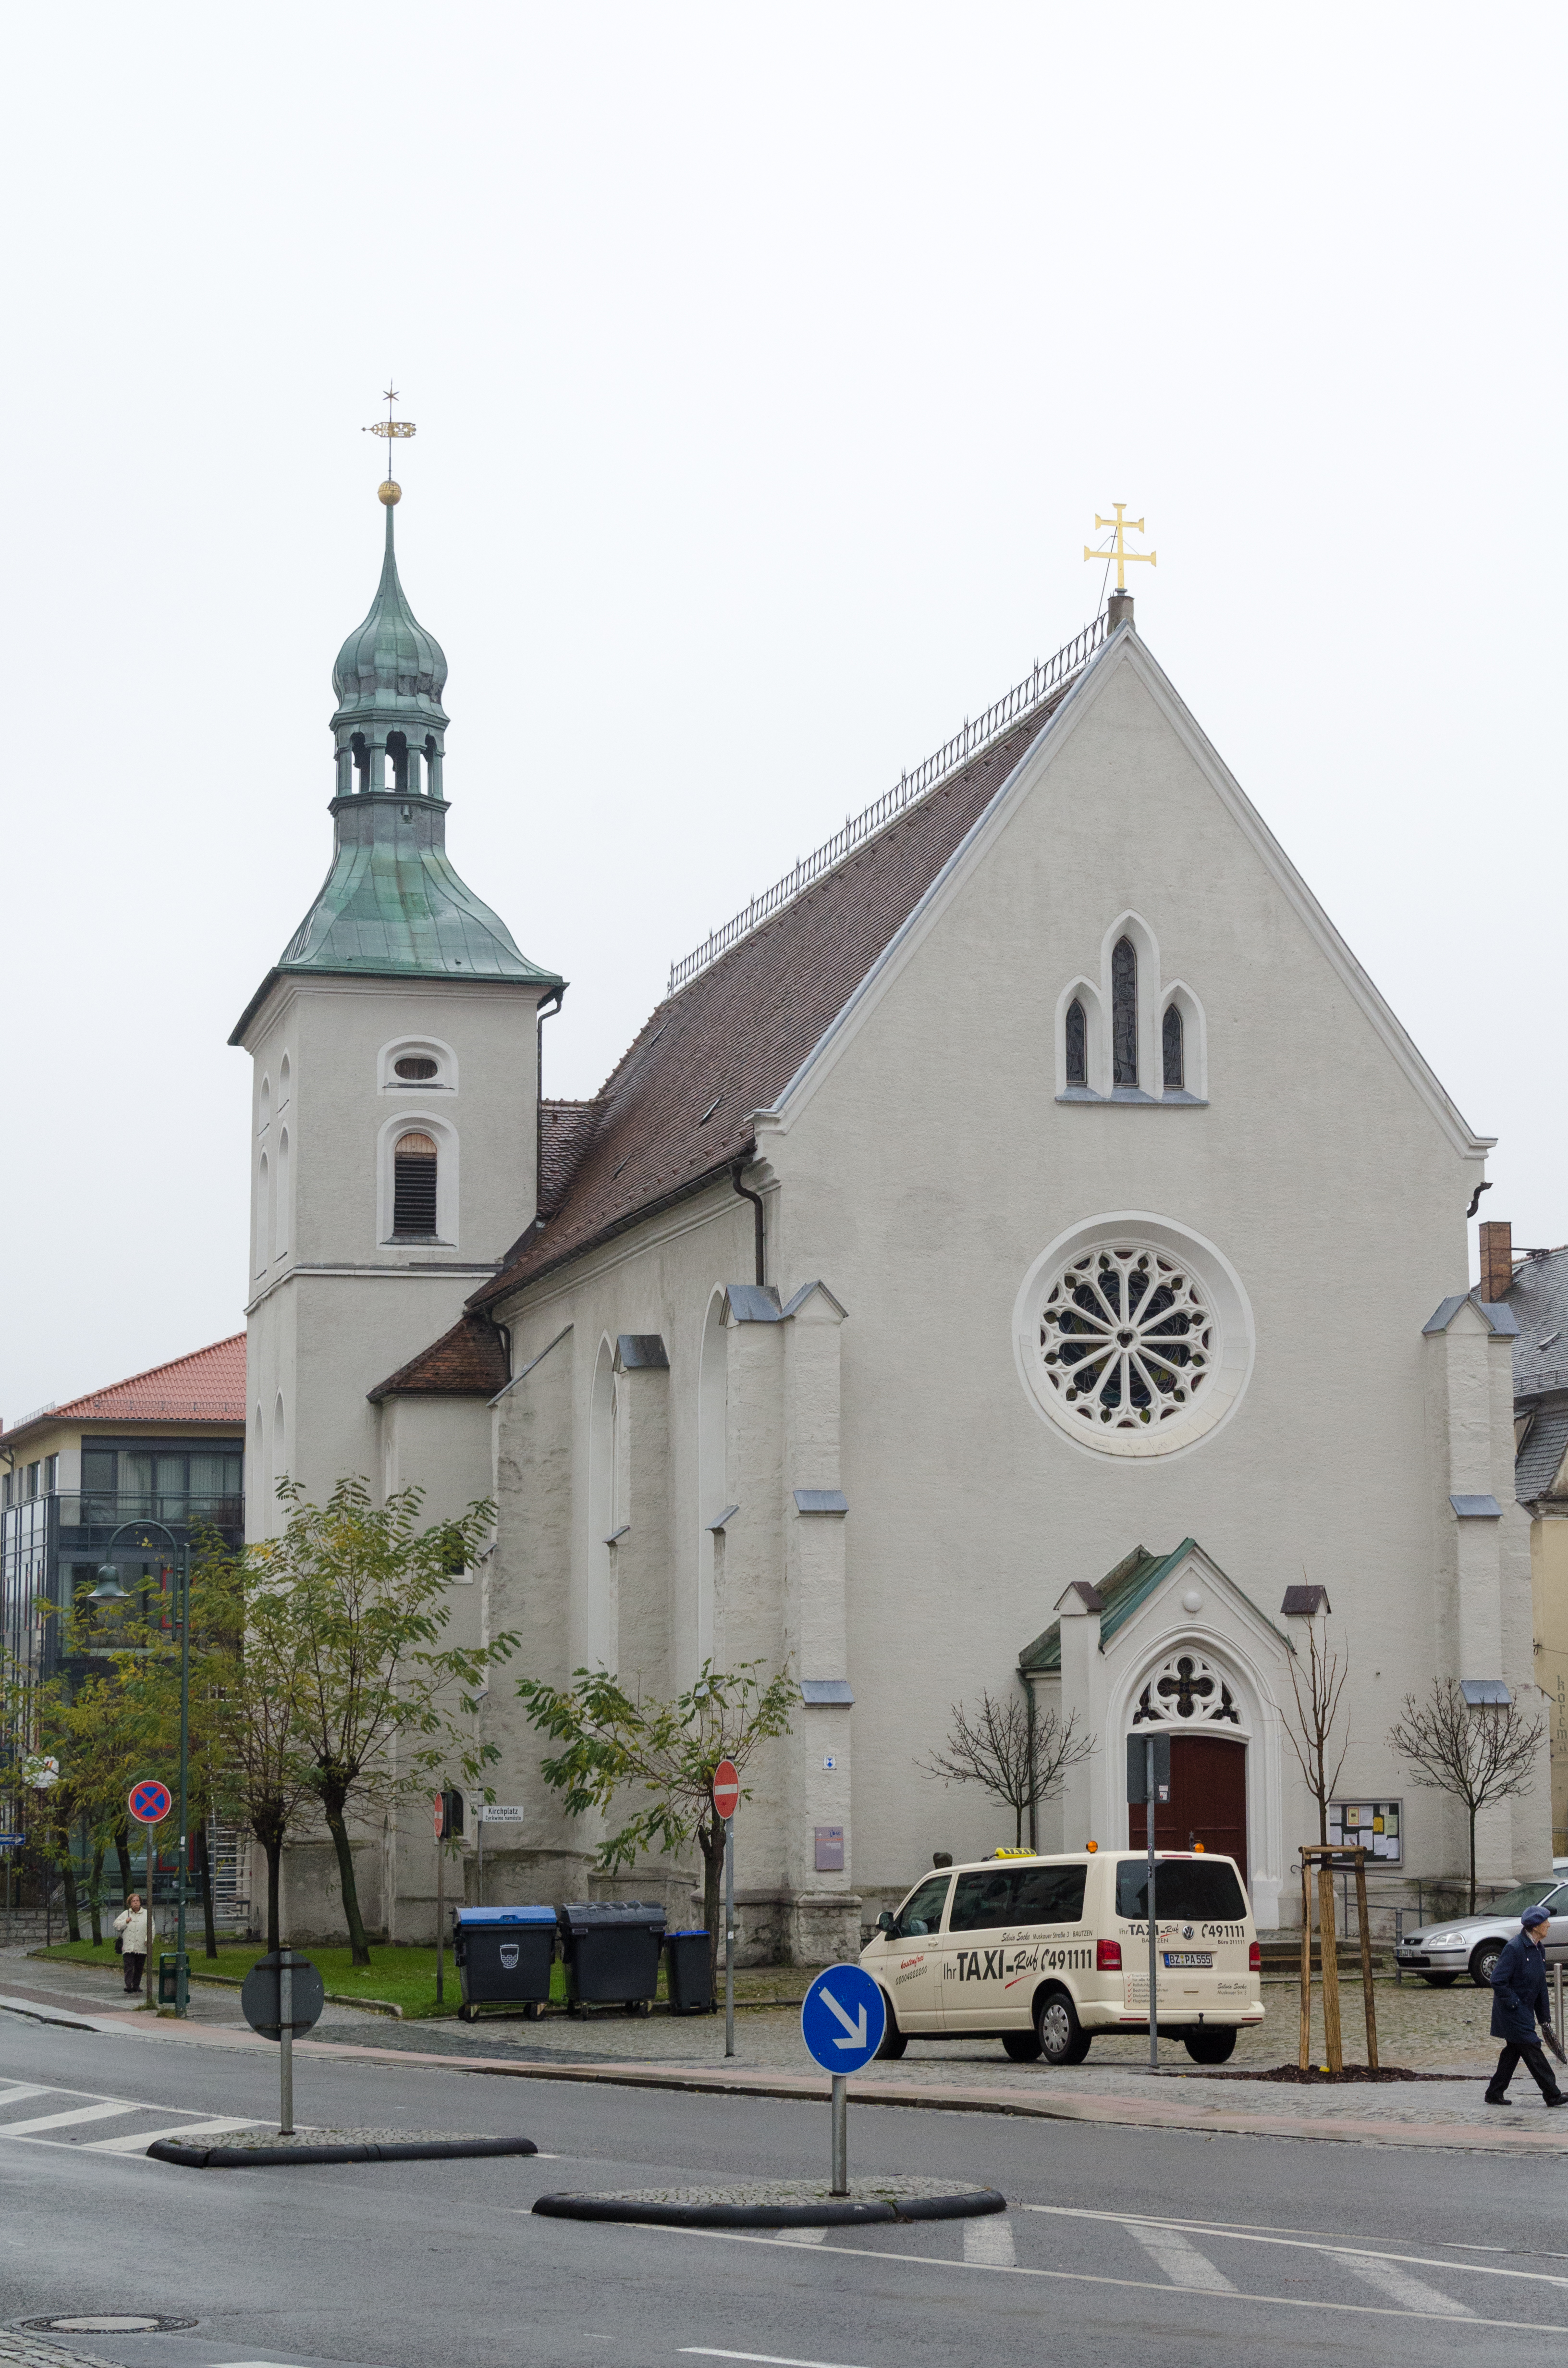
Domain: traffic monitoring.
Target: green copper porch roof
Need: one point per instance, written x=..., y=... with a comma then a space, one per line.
x=1132, y=1583
x=390, y=670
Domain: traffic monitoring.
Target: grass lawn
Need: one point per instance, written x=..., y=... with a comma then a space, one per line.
x=406, y=1977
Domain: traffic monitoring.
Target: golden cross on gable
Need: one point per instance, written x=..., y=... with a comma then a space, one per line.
x=1118, y=550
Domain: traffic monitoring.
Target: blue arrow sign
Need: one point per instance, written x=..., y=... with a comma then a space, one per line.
x=843, y=2016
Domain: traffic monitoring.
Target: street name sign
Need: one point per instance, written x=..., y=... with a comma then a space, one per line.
x=843, y=2016
x=150, y=1802
x=497, y=1813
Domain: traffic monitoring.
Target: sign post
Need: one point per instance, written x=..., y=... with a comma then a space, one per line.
x=440, y=1820
x=1149, y=1780
x=725, y=1788
x=843, y=2018
x=150, y=1804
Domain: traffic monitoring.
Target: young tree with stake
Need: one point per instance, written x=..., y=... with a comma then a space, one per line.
x=1313, y=1738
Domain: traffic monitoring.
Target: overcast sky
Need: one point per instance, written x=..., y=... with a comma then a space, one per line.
x=769, y=365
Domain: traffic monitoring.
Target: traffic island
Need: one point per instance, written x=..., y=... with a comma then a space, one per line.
x=245, y=2150
x=779, y=2204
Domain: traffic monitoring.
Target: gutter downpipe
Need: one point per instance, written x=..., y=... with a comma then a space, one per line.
x=553, y=999
x=1026, y=1681
x=756, y=1199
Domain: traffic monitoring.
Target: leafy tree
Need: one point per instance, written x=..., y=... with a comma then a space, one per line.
x=663, y=1755
x=1017, y=1761
x=1312, y=1732
x=361, y=1598
x=1488, y=1752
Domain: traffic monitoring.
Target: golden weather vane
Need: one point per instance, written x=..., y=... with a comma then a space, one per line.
x=1118, y=550
x=389, y=426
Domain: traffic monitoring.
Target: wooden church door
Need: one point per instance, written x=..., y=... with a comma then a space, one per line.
x=1208, y=1803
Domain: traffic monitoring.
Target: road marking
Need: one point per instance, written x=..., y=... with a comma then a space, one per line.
x=14, y=2095
x=1298, y=2244
x=988, y=2243
x=1180, y=2260
x=138, y=2141
x=1413, y=2292
x=103, y=2113
x=1086, y=2278
x=770, y=2359
x=801, y=2235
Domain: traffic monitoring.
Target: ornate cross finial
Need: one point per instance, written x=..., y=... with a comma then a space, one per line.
x=389, y=426
x=1118, y=550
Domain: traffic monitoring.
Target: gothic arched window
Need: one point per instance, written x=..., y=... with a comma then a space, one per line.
x=1170, y=1044
x=1077, y=1045
x=413, y=1187
x=1124, y=1013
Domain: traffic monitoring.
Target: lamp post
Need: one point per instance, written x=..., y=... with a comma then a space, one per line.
x=109, y=1590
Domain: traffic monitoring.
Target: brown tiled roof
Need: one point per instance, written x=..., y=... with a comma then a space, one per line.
x=678, y=1108
x=469, y=1361
x=207, y=1386
x=565, y=1130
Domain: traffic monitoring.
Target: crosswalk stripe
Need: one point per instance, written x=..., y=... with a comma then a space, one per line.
x=20, y=2088
x=988, y=2242
x=1415, y=2293
x=139, y=2141
x=58, y=2120
x=1180, y=2258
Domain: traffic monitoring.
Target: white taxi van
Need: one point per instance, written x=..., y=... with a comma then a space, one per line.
x=1043, y=1953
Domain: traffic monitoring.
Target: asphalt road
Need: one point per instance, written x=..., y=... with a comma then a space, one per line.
x=1181, y=2247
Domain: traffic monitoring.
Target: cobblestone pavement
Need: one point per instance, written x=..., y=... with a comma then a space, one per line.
x=34, y=2352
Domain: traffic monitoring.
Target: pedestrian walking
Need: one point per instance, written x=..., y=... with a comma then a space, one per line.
x=134, y=1926
x=1518, y=2002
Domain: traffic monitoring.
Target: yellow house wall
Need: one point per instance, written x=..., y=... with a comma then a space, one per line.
x=1548, y=1592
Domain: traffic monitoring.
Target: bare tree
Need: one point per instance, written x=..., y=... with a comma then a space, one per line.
x=1312, y=1737
x=1481, y=1754
x=994, y=1747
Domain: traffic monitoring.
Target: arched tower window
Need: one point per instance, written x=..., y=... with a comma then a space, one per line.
x=1077, y=1045
x=261, y=1180
x=413, y=1188
x=1171, y=1050
x=1124, y=1013
x=280, y=1222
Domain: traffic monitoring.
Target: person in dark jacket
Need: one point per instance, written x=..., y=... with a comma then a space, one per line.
x=1518, y=1999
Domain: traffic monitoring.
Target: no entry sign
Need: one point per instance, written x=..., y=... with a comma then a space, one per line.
x=150, y=1802
x=726, y=1789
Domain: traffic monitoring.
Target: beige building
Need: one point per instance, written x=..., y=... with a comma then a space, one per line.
x=1022, y=1251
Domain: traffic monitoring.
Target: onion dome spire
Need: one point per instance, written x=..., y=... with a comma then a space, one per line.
x=390, y=729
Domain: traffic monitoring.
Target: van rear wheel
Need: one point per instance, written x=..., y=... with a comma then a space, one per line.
x=1215, y=2047
x=1023, y=2047
x=1062, y=2039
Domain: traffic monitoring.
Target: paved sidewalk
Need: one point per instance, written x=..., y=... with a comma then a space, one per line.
x=662, y=2050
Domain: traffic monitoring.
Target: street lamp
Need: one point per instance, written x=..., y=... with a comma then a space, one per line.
x=109, y=1590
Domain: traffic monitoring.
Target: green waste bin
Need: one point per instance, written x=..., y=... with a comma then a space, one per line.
x=173, y=1979
x=689, y=1973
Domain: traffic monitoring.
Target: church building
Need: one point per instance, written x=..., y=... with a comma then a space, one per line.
x=1022, y=1254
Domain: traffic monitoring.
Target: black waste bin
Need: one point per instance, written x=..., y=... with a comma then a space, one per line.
x=611, y=1948
x=689, y=1972
x=504, y=1955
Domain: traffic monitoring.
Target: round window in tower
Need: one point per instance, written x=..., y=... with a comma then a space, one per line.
x=1133, y=1335
x=414, y=1068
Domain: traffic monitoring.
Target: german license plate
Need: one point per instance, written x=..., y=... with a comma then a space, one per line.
x=1190, y=1961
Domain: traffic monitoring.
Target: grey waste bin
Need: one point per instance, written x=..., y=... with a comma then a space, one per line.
x=504, y=1955
x=689, y=1972
x=611, y=1948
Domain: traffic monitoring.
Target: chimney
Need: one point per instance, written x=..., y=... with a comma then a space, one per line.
x=1496, y=1260
x=1120, y=610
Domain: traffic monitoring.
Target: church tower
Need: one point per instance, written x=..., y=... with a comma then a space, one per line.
x=394, y=1104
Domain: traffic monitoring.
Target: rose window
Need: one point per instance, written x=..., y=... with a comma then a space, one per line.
x=1127, y=1337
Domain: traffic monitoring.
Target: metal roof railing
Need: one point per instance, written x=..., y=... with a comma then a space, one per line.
x=1046, y=678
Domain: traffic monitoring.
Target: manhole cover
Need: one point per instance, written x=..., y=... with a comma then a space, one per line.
x=108, y=2323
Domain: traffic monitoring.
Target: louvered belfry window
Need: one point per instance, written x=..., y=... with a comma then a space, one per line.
x=414, y=1185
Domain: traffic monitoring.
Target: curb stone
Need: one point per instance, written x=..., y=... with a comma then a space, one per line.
x=832, y=2212
x=219, y=2158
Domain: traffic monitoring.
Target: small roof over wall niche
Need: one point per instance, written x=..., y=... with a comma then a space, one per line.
x=208, y=1386
x=1123, y=1591
x=636, y=1350
x=1485, y=1694
x=1476, y=1509
x=469, y=1361
x=825, y=1693
x=1305, y=1603
x=1499, y=1319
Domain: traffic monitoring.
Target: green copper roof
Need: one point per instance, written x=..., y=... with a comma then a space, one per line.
x=390, y=671
x=1132, y=1583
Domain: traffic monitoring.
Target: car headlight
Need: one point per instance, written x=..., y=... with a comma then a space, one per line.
x=1446, y=1940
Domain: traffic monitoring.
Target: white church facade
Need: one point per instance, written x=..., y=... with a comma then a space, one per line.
x=1024, y=1253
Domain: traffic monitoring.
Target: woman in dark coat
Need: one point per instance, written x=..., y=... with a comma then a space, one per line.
x=1518, y=1999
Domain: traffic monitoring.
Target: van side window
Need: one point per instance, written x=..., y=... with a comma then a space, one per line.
x=983, y=1901
x=923, y=1912
x=1183, y=1887
x=1049, y=1894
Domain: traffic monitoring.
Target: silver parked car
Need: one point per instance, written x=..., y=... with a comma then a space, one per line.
x=1472, y=1944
